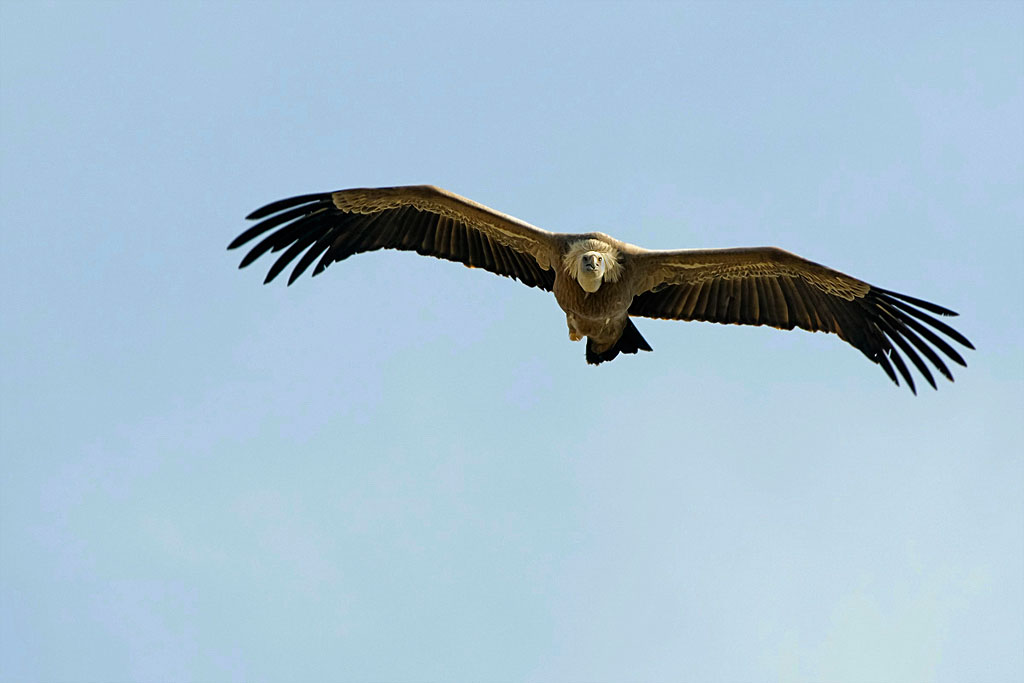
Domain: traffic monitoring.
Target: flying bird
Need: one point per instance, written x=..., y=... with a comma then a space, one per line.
x=599, y=282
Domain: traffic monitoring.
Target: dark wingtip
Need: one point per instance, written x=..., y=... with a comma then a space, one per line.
x=901, y=301
x=920, y=303
x=249, y=258
x=288, y=203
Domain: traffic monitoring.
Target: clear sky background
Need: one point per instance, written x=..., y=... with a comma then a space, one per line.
x=403, y=470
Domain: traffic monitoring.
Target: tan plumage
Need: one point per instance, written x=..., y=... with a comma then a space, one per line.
x=599, y=281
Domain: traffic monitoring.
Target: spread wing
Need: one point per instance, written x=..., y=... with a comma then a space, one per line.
x=332, y=226
x=770, y=286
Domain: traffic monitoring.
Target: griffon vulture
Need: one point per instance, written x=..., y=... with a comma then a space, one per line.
x=600, y=282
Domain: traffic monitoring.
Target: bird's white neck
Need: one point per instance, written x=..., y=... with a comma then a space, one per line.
x=590, y=281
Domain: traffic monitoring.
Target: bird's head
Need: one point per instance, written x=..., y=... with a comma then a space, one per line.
x=592, y=270
x=592, y=262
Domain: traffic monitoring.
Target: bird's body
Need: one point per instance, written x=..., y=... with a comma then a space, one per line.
x=599, y=282
x=600, y=315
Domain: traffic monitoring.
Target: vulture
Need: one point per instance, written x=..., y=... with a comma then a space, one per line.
x=600, y=282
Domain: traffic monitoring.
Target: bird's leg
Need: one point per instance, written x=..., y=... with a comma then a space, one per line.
x=573, y=334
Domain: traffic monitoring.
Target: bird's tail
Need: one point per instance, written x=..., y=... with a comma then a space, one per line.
x=630, y=341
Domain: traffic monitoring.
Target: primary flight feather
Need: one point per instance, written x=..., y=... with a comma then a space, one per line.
x=600, y=282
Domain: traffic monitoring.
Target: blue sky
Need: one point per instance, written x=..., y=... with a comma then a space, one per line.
x=403, y=470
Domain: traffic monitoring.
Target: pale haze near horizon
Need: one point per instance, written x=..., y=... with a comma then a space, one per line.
x=403, y=470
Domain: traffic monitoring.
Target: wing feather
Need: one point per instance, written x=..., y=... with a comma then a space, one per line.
x=425, y=219
x=700, y=302
x=795, y=303
x=748, y=300
x=281, y=205
x=769, y=286
x=763, y=303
